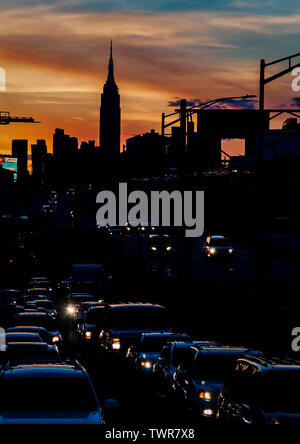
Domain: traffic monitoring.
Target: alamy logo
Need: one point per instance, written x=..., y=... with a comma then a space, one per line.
x=185, y=209
x=2, y=80
x=296, y=81
x=2, y=339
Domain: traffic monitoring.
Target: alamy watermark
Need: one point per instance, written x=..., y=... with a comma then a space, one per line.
x=2, y=339
x=296, y=81
x=2, y=80
x=184, y=209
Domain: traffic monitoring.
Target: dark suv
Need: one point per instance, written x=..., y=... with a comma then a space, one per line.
x=125, y=322
x=90, y=324
x=200, y=378
x=261, y=391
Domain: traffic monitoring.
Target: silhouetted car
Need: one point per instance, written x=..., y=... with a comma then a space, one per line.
x=37, y=319
x=261, y=391
x=74, y=301
x=160, y=245
x=149, y=347
x=22, y=337
x=171, y=356
x=91, y=323
x=125, y=322
x=39, y=283
x=199, y=380
x=47, y=210
x=45, y=305
x=218, y=247
x=57, y=393
x=42, y=332
x=71, y=192
x=29, y=351
x=39, y=293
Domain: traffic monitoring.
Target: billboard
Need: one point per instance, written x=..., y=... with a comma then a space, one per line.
x=11, y=164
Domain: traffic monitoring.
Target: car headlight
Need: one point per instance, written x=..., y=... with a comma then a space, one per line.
x=208, y=412
x=169, y=248
x=55, y=339
x=230, y=251
x=146, y=364
x=153, y=248
x=212, y=250
x=207, y=396
x=88, y=335
x=116, y=344
x=71, y=310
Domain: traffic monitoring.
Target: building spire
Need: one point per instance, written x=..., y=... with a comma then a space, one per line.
x=110, y=78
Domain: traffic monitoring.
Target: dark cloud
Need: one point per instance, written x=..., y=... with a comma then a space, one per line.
x=296, y=102
x=241, y=103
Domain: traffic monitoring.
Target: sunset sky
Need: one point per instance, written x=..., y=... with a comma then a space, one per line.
x=55, y=54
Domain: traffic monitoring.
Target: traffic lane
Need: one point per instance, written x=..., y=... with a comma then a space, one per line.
x=137, y=394
x=202, y=269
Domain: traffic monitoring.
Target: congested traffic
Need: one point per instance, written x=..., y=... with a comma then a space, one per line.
x=71, y=357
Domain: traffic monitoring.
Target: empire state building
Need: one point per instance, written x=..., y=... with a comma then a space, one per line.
x=110, y=115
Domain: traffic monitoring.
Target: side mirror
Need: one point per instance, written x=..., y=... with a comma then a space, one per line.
x=111, y=410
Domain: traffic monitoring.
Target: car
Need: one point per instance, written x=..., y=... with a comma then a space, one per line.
x=39, y=283
x=29, y=351
x=149, y=347
x=22, y=337
x=38, y=319
x=53, y=195
x=125, y=322
x=46, y=305
x=75, y=300
x=39, y=292
x=171, y=356
x=218, y=247
x=91, y=323
x=115, y=231
x=47, y=210
x=53, y=393
x=160, y=245
x=71, y=192
x=199, y=379
x=261, y=391
x=42, y=332
x=53, y=202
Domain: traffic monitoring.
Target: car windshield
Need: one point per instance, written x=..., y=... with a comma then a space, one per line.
x=22, y=338
x=281, y=391
x=155, y=343
x=46, y=322
x=38, y=394
x=160, y=241
x=44, y=304
x=95, y=316
x=138, y=318
x=219, y=243
x=214, y=367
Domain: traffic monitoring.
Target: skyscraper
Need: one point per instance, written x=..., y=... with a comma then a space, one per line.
x=110, y=116
x=20, y=151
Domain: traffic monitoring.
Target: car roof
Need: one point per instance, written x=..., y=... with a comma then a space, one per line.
x=59, y=369
x=272, y=363
x=26, y=329
x=33, y=313
x=14, y=334
x=224, y=350
x=162, y=334
x=133, y=305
